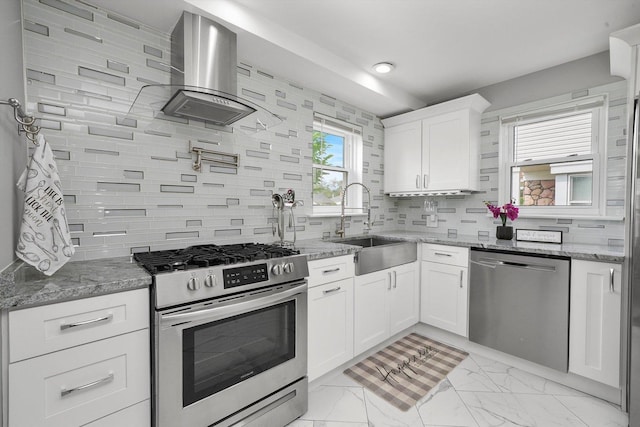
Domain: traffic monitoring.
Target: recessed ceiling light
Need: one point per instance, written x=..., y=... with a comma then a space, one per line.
x=383, y=67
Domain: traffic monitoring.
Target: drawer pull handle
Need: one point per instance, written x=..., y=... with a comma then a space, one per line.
x=65, y=392
x=86, y=322
x=333, y=270
x=441, y=254
x=328, y=291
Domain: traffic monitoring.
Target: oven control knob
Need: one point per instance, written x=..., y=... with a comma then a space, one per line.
x=288, y=268
x=210, y=281
x=193, y=284
x=277, y=269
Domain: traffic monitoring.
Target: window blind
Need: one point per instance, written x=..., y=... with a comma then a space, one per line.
x=337, y=123
x=553, y=138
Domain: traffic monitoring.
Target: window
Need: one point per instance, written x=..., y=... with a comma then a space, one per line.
x=337, y=162
x=554, y=160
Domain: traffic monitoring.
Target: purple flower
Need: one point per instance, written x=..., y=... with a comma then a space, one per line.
x=505, y=211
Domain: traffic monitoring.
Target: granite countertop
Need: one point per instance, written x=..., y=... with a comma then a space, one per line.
x=602, y=253
x=22, y=286
x=317, y=249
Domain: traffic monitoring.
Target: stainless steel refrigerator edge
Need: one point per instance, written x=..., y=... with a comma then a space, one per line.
x=633, y=366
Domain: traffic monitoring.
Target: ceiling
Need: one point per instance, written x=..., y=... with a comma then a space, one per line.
x=442, y=49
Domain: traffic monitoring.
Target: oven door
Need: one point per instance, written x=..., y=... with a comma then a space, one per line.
x=216, y=357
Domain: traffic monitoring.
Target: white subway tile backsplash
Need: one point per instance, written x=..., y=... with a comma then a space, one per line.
x=126, y=173
x=125, y=212
x=182, y=235
x=117, y=66
x=101, y=75
x=150, y=50
x=36, y=28
x=91, y=37
x=66, y=7
x=41, y=76
x=122, y=20
x=117, y=186
x=110, y=132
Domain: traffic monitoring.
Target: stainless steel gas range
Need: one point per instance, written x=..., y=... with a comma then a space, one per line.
x=230, y=335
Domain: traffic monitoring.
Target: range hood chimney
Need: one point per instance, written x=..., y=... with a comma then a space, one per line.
x=204, y=68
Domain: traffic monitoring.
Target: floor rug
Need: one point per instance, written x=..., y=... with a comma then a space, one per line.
x=406, y=370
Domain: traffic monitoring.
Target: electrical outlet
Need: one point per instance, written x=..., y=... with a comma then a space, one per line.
x=432, y=221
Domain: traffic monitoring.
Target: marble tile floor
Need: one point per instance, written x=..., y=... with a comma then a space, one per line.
x=477, y=393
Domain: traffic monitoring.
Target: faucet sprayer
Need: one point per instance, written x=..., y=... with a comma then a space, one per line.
x=341, y=231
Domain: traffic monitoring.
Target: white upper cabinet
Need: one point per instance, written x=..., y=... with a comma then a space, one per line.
x=624, y=46
x=409, y=137
x=434, y=150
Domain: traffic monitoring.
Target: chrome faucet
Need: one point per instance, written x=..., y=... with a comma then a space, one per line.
x=341, y=231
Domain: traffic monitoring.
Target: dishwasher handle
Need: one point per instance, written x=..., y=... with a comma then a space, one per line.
x=493, y=263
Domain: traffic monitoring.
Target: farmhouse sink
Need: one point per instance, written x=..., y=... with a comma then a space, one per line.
x=379, y=253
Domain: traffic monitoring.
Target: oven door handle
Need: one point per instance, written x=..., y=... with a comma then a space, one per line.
x=233, y=307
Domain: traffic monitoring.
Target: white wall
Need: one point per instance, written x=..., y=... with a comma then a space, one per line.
x=12, y=146
x=570, y=77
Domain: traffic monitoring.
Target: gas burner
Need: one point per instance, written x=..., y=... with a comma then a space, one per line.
x=201, y=256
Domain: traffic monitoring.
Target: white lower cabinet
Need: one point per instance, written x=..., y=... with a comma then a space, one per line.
x=82, y=362
x=330, y=314
x=330, y=326
x=444, y=294
x=594, y=321
x=385, y=303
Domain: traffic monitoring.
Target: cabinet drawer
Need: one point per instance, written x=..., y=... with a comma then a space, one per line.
x=443, y=254
x=330, y=269
x=138, y=415
x=75, y=386
x=67, y=324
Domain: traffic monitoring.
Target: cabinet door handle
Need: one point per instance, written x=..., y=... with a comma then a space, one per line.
x=86, y=322
x=441, y=254
x=461, y=276
x=65, y=392
x=389, y=287
x=611, y=287
x=395, y=279
x=328, y=291
x=417, y=181
x=425, y=181
x=333, y=270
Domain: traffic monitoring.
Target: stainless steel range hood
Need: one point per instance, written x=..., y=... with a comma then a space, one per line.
x=204, y=55
x=203, y=79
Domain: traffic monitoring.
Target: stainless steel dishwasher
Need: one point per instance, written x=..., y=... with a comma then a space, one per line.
x=520, y=305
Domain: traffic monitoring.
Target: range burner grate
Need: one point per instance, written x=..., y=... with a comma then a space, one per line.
x=209, y=255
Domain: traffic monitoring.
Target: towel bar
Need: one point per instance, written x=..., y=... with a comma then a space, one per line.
x=25, y=121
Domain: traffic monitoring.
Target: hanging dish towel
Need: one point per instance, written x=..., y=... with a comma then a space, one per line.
x=44, y=239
